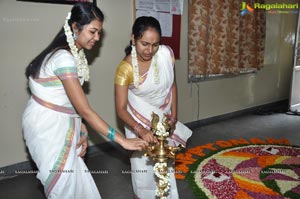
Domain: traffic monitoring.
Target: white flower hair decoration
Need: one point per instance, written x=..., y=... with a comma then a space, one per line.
x=134, y=62
x=80, y=59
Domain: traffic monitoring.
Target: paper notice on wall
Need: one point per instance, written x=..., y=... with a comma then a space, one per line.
x=176, y=7
x=165, y=20
x=151, y=13
x=166, y=23
x=144, y=5
x=162, y=5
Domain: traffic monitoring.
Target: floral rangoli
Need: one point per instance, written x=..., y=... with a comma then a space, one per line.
x=251, y=171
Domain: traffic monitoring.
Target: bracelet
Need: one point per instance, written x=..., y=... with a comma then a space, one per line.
x=137, y=126
x=84, y=134
x=173, y=120
x=111, y=133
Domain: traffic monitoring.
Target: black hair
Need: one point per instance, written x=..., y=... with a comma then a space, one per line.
x=82, y=13
x=140, y=25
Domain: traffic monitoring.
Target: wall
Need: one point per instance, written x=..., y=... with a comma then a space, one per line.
x=26, y=28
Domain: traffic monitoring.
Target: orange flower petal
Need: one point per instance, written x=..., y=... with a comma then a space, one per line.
x=254, y=186
x=264, y=161
x=242, y=195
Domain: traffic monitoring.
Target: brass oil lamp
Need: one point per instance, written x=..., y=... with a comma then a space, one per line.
x=161, y=153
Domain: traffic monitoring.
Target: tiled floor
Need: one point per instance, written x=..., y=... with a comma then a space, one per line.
x=116, y=184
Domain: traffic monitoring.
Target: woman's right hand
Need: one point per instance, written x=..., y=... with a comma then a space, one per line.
x=148, y=136
x=134, y=144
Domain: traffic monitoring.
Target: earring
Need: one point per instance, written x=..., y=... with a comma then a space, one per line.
x=74, y=36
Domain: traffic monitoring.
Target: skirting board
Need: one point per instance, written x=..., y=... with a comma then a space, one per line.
x=279, y=106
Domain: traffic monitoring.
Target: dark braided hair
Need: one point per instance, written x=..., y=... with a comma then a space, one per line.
x=140, y=25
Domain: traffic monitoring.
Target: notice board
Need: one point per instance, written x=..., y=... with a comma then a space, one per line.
x=174, y=40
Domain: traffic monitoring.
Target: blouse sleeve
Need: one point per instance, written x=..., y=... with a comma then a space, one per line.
x=172, y=54
x=64, y=65
x=171, y=51
x=124, y=74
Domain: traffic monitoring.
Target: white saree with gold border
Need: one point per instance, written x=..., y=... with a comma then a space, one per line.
x=148, y=97
x=51, y=130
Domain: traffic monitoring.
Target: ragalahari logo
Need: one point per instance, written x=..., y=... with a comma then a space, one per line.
x=246, y=8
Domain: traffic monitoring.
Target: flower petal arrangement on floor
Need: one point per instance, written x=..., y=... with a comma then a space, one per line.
x=259, y=171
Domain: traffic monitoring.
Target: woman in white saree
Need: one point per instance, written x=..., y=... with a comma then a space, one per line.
x=52, y=126
x=144, y=83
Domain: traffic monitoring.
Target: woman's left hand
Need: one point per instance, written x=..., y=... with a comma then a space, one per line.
x=172, y=127
x=83, y=142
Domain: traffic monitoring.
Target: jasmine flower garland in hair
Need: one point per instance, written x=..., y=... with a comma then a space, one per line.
x=156, y=70
x=135, y=65
x=80, y=59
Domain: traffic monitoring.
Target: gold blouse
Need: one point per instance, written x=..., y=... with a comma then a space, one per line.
x=124, y=74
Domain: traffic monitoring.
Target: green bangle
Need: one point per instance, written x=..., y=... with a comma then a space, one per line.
x=111, y=133
x=84, y=134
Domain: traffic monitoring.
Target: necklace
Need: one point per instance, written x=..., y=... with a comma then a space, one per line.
x=80, y=59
